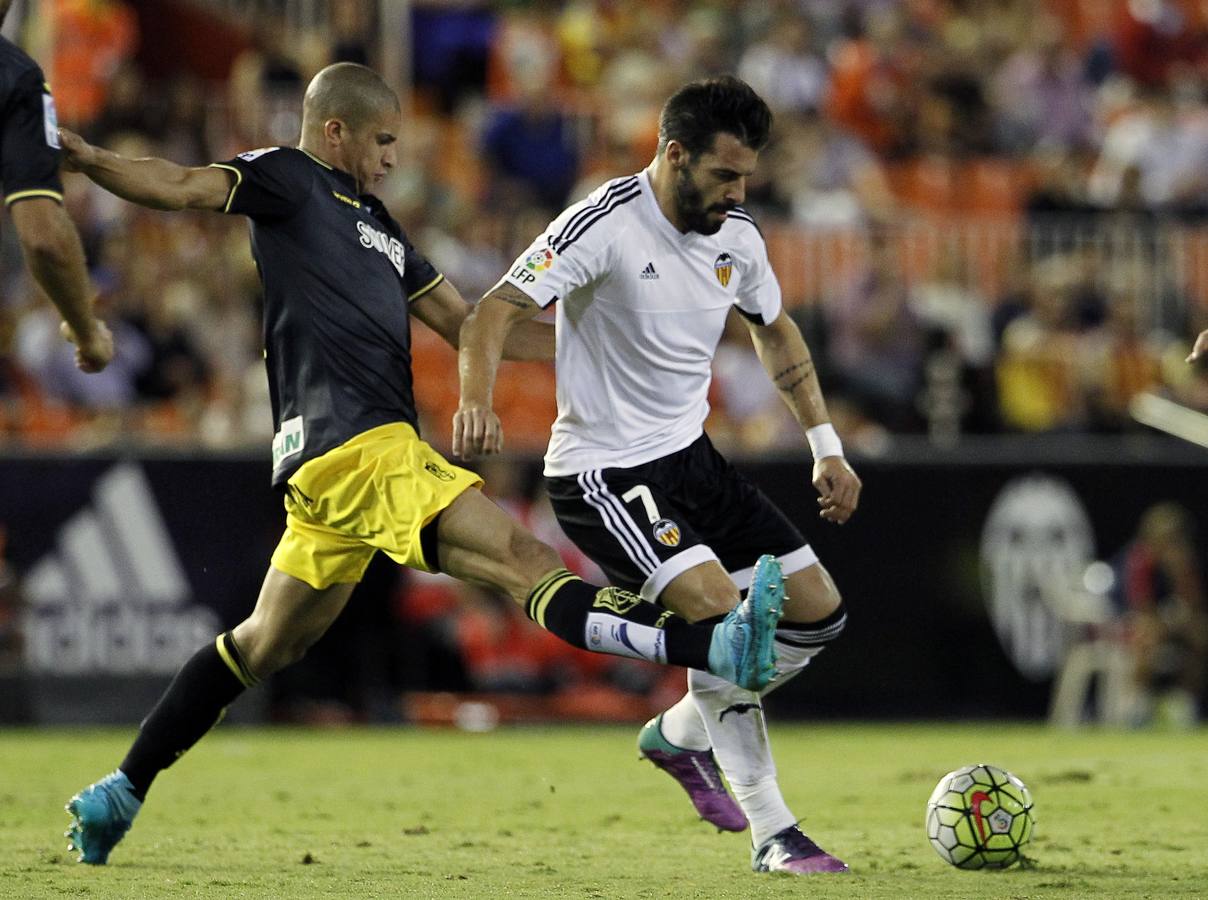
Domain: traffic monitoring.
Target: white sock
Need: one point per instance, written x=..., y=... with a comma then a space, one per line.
x=682, y=725
x=739, y=740
x=764, y=806
x=790, y=660
x=733, y=720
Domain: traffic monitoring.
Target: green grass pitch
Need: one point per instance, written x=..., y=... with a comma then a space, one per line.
x=569, y=812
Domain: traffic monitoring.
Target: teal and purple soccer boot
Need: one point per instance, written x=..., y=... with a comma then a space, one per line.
x=697, y=773
x=742, y=649
x=101, y=816
x=789, y=850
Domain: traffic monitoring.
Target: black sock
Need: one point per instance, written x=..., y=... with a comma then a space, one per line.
x=194, y=703
x=814, y=634
x=620, y=623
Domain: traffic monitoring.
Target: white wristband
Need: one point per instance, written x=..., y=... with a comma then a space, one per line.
x=824, y=441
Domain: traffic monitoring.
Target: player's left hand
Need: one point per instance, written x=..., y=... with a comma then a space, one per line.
x=838, y=488
x=476, y=431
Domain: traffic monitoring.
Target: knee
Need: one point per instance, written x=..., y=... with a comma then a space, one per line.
x=267, y=651
x=707, y=606
x=704, y=592
x=811, y=595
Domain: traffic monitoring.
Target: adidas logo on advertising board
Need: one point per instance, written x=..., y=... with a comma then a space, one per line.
x=112, y=596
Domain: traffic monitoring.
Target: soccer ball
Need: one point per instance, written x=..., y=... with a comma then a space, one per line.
x=980, y=817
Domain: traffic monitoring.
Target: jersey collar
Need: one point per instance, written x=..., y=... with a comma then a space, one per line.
x=338, y=173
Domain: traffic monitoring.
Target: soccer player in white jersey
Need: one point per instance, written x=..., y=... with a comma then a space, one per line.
x=644, y=272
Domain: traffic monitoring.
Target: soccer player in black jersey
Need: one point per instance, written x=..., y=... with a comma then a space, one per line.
x=29, y=175
x=340, y=281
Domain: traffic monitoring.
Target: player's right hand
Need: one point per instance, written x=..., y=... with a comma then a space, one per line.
x=1200, y=349
x=476, y=431
x=95, y=351
x=77, y=152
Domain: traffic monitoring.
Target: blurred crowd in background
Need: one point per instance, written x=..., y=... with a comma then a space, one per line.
x=986, y=216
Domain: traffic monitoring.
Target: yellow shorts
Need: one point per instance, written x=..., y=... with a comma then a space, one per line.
x=374, y=492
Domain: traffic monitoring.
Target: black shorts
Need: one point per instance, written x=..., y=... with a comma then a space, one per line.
x=646, y=524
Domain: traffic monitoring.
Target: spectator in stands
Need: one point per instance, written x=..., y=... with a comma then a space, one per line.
x=1040, y=94
x=824, y=177
x=873, y=80
x=265, y=87
x=42, y=354
x=1056, y=209
x=1149, y=38
x=876, y=344
x=175, y=369
x=958, y=374
x=1166, y=143
x=126, y=109
x=352, y=33
x=751, y=415
x=92, y=39
x=530, y=144
x=1037, y=367
x=1162, y=584
x=783, y=68
x=183, y=133
x=1119, y=361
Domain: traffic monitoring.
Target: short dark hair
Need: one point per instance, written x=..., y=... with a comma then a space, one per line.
x=700, y=109
x=350, y=92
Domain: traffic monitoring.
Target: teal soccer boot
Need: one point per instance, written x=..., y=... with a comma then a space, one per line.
x=742, y=649
x=101, y=816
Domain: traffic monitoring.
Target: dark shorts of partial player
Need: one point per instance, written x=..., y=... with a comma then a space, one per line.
x=380, y=490
x=647, y=524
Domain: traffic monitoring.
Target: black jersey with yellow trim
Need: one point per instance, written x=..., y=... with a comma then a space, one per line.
x=338, y=274
x=29, y=132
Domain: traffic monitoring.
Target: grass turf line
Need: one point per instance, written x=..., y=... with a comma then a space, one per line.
x=570, y=812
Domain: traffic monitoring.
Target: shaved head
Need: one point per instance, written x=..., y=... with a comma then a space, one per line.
x=349, y=92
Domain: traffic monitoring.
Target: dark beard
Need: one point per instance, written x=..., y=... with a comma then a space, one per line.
x=691, y=205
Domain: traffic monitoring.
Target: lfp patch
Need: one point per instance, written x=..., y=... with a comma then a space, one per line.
x=667, y=533
x=539, y=261
x=723, y=268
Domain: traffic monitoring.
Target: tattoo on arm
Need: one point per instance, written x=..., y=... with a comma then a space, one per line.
x=794, y=375
x=512, y=295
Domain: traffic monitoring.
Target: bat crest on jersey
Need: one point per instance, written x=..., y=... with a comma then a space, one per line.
x=723, y=268
x=667, y=533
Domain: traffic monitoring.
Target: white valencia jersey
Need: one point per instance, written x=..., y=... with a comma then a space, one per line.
x=641, y=308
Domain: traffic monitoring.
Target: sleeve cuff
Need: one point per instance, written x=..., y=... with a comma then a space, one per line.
x=12, y=198
x=234, y=187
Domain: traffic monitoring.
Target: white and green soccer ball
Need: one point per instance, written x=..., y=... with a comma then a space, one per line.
x=980, y=817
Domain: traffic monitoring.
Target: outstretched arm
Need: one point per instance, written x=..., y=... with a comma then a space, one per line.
x=476, y=428
x=443, y=309
x=52, y=248
x=152, y=182
x=787, y=360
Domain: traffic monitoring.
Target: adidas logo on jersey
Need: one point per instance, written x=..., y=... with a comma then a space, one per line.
x=648, y=273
